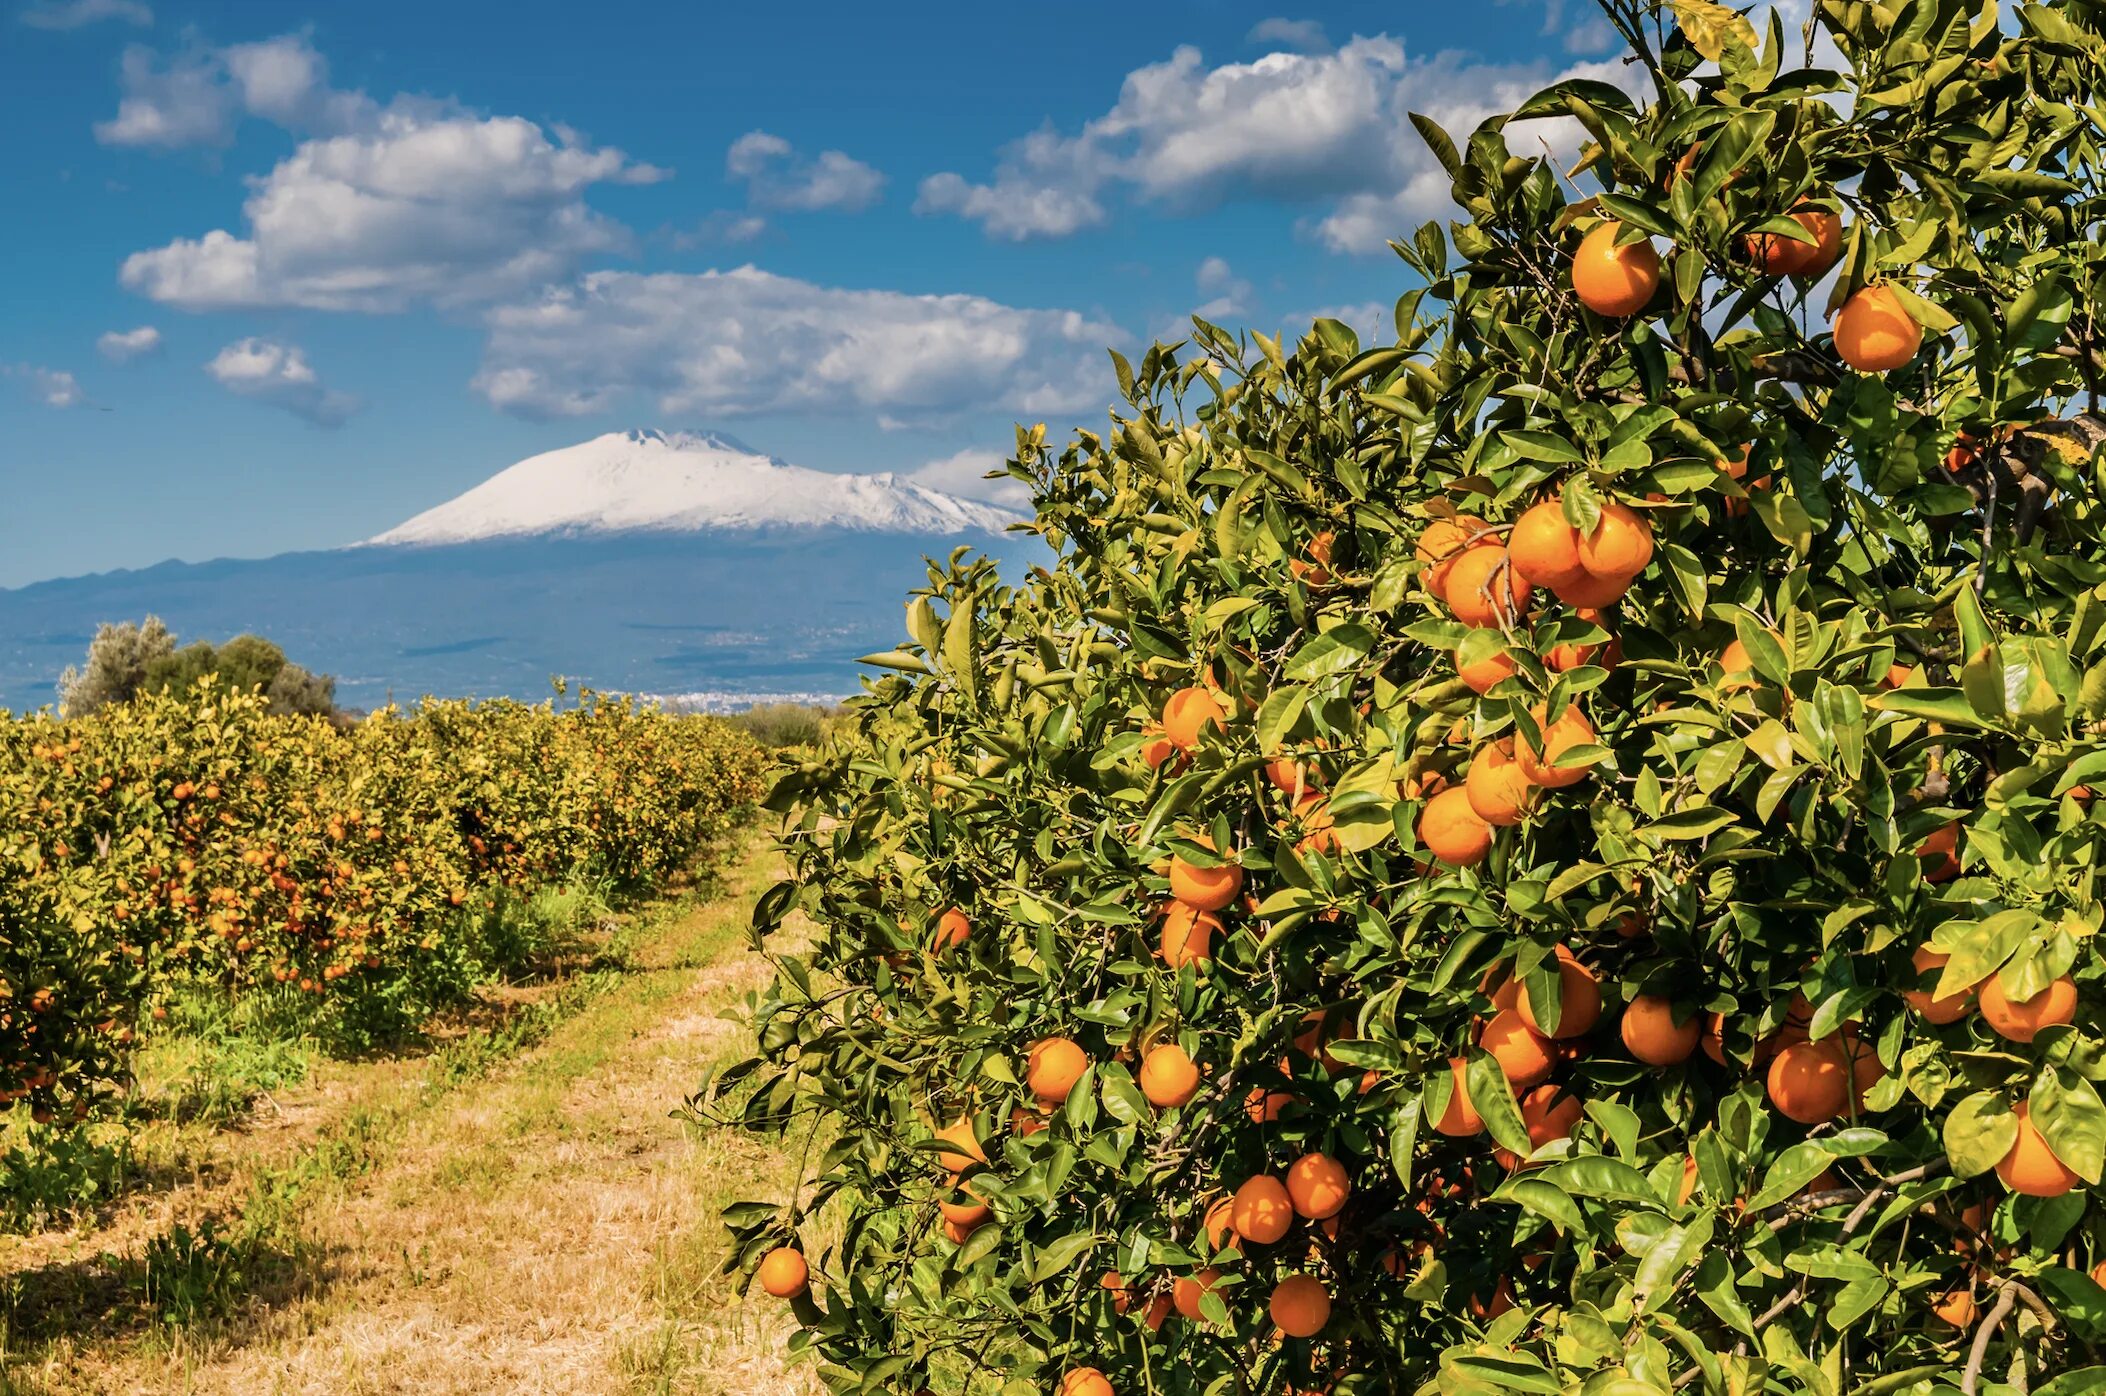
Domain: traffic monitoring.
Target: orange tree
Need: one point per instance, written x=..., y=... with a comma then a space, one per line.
x=1553, y=854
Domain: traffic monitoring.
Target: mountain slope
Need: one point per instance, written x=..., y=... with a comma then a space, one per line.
x=684, y=482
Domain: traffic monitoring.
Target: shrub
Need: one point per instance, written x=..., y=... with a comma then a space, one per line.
x=1789, y=705
x=118, y=659
x=779, y=725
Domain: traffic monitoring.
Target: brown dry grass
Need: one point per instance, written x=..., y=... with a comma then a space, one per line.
x=547, y=1228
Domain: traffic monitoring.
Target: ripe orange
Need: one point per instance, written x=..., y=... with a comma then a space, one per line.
x=1483, y=590
x=1316, y=572
x=1738, y=668
x=1157, y=749
x=1955, y=1306
x=1084, y=1381
x=1810, y=1082
x=1190, y=1289
x=1652, y=1034
x=1502, y=1299
x=1499, y=792
x=1204, y=889
x=1612, y=280
x=1522, y=1052
x=1318, y=1186
x=1219, y=1223
x=1874, y=332
x=1168, y=1077
x=783, y=1272
x=1460, y=1120
x=2022, y=1019
x=1621, y=544
x=1782, y=256
x=1485, y=674
x=1943, y=849
x=1121, y=1292
x=1301, y=1306
x=1188, y=934
x=1440, y=544
x=964, y=1150
x=1452, y=831
x=1319, y=827
x=1053, y=1067
x=953, y=929
x=1500, y=987
x=1550, y=1112
x=1264, y=1106
x=2031, y=1166
x=1950, y=1009
x=1584, y=589
x=967, y=1214
x=1579, y=999
x=1295, y=778
x=1188, y=713
x=1262, y=1210
x=1570, y=730
x=1543, y=547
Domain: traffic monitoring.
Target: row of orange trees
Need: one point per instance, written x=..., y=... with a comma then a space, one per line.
x=1553, y=853
x=199, y=838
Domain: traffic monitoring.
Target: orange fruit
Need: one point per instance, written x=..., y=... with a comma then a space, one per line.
x=2031, y=1166
x=1084, y=1381
x=953, y=929
x=1121, y=1292
x=1301, y=1306
x=1738, y=668
x=1943, y=848
x=1652, y=1034
x=1264, y=1106
x=2022, y=1019
x=964, y=1150
x=1950, y=1009
x=783, y=1272
x=1188, y=713
x=1498, y=790
x=1157, y=749
x=1168, y=1077
x=1452, y=830
x=1874, y=332
x=1053, y=1067
x=1955, y=1306
x=1219, y=1223
x=1295, y=778
x=1262, y=1210
x=1782, y=256
x=1587, y=590
x=1550, y=1112
x=1188, y=934
x=1543, y=547
x=967, y=1214
x=1483, y=590
x=1204, y=889
x=1810, y=1082
x=1190, y=1289
x=1579, y=999
x=1502, y=1299
x=1570, y=730
x=1316, y=572
x=1485, y=674
x=1440, y=544
x=1522, y=1052
x=1500, y=987
x=1611, y=280
x=1460, y=1120
x=1621, y=544
x=1318, y=1186
x=1319, y=829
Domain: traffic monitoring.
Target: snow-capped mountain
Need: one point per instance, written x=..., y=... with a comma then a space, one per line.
x=684, y=482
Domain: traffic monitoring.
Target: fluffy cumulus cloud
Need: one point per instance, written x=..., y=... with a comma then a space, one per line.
x=723, y=343
x=120, y=346
x=54, y=387
x=279, y=374
x=966, y=474
x=777, y=178
x=76, y=14
x=384, y=206
x=1328, y=127
x=1227, y=293
x=1305, y=35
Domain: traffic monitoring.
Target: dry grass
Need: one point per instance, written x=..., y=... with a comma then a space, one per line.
x=544, y=1227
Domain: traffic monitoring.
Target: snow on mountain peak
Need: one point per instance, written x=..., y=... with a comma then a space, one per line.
x=684, y=482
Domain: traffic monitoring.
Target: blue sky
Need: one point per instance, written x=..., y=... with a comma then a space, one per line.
x=282, y=275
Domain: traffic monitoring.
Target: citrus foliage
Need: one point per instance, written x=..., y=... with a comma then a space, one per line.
x=1553, y=854
x=203, y=837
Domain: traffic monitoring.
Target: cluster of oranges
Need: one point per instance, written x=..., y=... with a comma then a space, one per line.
x=1617, y=276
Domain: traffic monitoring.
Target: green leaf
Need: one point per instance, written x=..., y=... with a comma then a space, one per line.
x=1689, y=824
x=2070, y=1117
x=1493, y=1100
x=1978, y=1133
x=1333, y=652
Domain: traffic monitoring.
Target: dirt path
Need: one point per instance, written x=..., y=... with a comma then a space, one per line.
x=545, y=1227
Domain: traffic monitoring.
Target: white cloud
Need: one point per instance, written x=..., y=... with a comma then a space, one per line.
x=118, y=346
x=1305, y=35
x=382, y=207
x=279, y=374
x=745, y=340
x=52, y=386
x=1300, y=128
x=74, y=14
x=965, y=474
x=777, y=178
x=1228, y=294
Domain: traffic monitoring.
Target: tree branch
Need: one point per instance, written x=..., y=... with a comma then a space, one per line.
x=2006, y=1296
